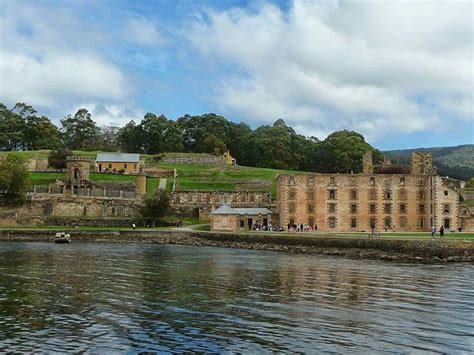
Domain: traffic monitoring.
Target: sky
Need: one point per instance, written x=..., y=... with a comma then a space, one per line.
x=399, y=72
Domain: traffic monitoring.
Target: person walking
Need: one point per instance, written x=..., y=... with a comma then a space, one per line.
x=433, y=232
x=441, y=231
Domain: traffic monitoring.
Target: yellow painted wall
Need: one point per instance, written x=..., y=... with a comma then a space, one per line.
x=128, y=167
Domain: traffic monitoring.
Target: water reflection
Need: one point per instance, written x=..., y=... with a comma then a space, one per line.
x=95, y=297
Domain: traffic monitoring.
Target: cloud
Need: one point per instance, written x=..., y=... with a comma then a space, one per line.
x=330, y=65
x=41, y=80
x=110, y=114
x=142, y=32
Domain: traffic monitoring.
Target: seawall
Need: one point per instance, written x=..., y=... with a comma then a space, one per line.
x=384, y=249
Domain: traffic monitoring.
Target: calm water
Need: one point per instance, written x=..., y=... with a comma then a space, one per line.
x=96, y=297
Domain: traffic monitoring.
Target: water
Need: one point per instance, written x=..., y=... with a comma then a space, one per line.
x=98, y=297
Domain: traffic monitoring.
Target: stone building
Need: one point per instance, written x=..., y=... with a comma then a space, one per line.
x=396, y=197
x=226, y=218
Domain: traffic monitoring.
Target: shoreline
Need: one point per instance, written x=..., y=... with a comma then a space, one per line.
x=419, y=251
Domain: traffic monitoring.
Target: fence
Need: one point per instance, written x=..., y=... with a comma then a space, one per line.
x=82, y=192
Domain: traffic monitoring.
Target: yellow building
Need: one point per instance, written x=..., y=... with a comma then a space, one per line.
x=118, y=162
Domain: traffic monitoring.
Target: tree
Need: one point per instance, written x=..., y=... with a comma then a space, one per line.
x=40, y=133
x=173, y=139
x=155, y=206
x=130, y=138
x=57, y=158
x=108, y=140
x=14, y=178
x=212, y=144
x=80, y=131
x=11, y=129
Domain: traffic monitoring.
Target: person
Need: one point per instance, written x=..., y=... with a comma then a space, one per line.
x=441, y=231
x=372, y=227
x=288, y=227
x=433, y=231
x=134, y=226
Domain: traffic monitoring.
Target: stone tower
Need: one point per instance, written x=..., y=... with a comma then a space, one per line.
x=141, y=183
x=77, y=170
x=421, y=163
x=367, y=163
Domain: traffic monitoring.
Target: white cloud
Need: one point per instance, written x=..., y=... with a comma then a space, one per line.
x=372, y=67
x=143, y=32
x=42, y=80
x=110, y=114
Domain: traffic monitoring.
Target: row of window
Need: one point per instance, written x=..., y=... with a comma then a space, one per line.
x=372, y=223
x=353, y=195
x=387, y=208
x=372, y=180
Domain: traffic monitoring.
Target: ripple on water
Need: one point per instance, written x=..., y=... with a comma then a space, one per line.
x=100, y=297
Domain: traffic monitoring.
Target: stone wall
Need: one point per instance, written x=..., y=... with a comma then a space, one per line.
x=466, y=217
x=201, y=203
x=196, y=159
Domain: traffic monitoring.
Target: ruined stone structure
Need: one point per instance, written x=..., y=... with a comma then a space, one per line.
x=466, y=217
x=411, y=199
x=77, y=170
x=196, y=159
x=201, y=203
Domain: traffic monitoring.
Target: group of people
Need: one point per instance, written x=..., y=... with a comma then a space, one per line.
x=441, y=231
x=267, y=227
x=300, y=227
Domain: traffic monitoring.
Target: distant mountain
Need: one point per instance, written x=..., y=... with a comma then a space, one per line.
x=456, y=162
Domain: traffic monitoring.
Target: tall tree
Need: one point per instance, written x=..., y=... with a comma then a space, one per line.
x=13, y=178
x=11, y=129
x=80, y=131
x=130, y=138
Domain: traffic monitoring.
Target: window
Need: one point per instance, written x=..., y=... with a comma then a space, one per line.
x=387, y=208
x=373, y=222
x=353, y=208
x=332, y=180
x=311, y=195
x=353, y=223
x=402, y=180
x=387, y=222
x=372, y=181
x=311, y=222
x=125, y=166
x=447, y=223
x=387, y=195
x=353, y=194
x=242, y=223
x=446, y=208
x=291, y=207
x=292, y=194
x=446, y=192
x=310, y=208
x=332, y=207
x=372, y=194
x=292, y=221
x=403, y=208
x=332, y=222
x=292, y=180
x=422, y=208
x=421, y=195
x=332, y=194
x=422, y=223
x=421, y=182
x=134, y=166
x=110, y=166
x=372, y=208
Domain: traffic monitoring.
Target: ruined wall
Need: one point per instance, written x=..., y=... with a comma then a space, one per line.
x=466, y=218
x=445, y=203
x=343, y=202
x=201, y=203
x=196, y=159
x=421, y=163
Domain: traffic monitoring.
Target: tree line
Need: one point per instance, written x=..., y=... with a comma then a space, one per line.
x=270, y=146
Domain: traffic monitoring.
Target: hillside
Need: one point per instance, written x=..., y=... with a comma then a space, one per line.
x=456, y=162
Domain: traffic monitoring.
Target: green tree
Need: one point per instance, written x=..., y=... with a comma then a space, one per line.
x=80, y=131
x=14, y=177
x=57, y=158
x=11, y=129
x=40, y=133
x=155, y=207
x=153, y=128
x=108, y=140
x=173, y=139
x=130, y=138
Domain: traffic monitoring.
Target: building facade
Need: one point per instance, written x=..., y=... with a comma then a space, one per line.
x=395, y=197
x=118, y=162
x=226, y=218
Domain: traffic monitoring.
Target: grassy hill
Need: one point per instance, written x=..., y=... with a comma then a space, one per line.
x=456, y=162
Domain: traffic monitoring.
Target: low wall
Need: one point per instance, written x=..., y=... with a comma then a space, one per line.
x=196, y=159
x=385, y=249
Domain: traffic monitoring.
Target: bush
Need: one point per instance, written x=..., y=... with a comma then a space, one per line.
x=57, y=158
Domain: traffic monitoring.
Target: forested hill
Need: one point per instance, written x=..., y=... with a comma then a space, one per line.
x=456, y=162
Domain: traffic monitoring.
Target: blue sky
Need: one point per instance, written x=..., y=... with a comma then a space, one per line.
x=400, y=73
